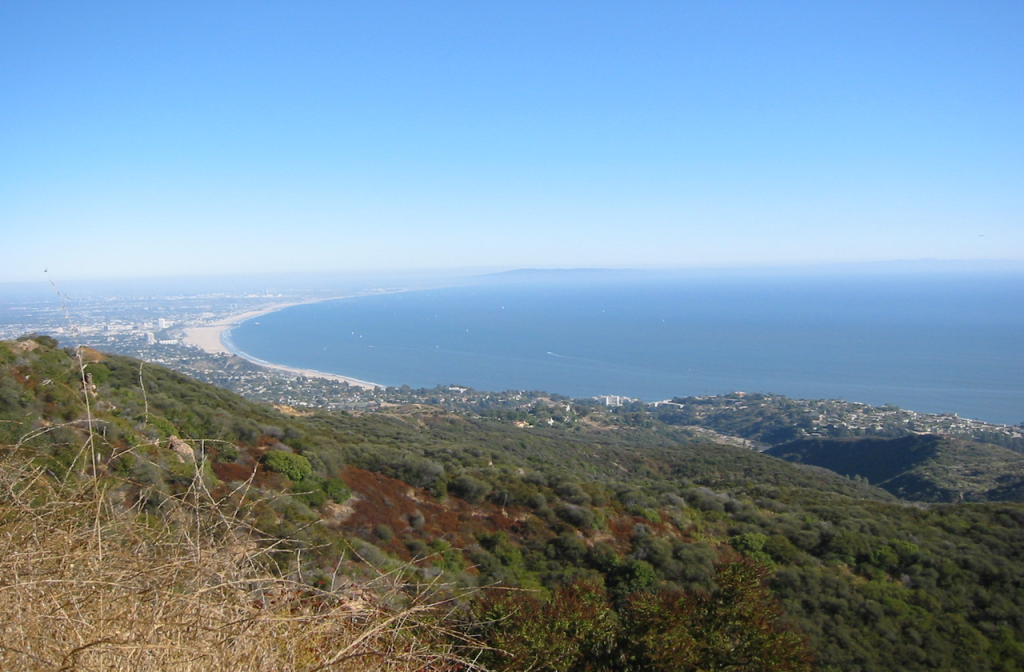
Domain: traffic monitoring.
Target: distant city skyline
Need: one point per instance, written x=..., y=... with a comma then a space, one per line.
x=191, y=138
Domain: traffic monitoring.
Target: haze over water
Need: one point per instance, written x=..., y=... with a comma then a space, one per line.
x=925, y=343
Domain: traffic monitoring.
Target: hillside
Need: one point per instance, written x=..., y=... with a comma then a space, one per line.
x=770, y=420
x=926, y=467
x=606, y=524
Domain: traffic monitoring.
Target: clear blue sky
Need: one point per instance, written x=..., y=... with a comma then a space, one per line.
x=145, y=138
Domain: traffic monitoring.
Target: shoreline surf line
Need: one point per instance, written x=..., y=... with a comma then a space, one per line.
x=216, y=339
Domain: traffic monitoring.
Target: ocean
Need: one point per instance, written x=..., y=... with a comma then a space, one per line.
x=935, y=344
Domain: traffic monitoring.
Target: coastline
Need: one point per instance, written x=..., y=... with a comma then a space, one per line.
x=215, y=339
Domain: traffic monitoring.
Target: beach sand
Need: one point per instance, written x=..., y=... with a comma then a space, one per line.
x=210, y=339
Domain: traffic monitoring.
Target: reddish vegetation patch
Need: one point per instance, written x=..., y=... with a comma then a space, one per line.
x=270, y=480
x=621, y=527
x=501, y=520
x=229, y=471
x=220, y=492
x=387, y=501
x=268, y=443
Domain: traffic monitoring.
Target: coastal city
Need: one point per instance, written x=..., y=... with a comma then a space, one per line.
x=183, y=333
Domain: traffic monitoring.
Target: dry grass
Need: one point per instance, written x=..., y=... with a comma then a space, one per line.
x=87, y=583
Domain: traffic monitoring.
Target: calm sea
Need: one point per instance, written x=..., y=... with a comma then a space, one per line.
x=931, y=344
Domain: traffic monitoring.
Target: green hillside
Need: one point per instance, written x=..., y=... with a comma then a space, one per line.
x=919, y=467
x=636, y=536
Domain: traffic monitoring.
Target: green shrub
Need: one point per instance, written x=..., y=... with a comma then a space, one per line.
x=100, y=373
x=336, y=489
x=227, y=453
x=473, y=490
x=780, y=549
x=164, y=426
x=750, y=542
x=631, y=576
x=310, y=490
x=445, y=557
x=295, y=467
x=577, y=516
x=499, y=545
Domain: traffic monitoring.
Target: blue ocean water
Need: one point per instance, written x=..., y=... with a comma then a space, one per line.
x=931, y=344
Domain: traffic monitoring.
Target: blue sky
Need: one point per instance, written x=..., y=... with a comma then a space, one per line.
x=148, y=139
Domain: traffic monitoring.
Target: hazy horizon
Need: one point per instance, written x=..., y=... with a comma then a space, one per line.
x=48, y=285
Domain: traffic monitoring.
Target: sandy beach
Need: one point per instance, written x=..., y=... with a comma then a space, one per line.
x=210, y=338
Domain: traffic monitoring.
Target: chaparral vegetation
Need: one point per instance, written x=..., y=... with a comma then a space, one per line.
x=149, y=521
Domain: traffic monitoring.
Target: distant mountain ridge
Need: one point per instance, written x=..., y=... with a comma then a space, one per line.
x=527, y=275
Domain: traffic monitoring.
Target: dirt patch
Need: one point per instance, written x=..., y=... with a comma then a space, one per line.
x=292, y=411
x=20, y=347
x=90, y=355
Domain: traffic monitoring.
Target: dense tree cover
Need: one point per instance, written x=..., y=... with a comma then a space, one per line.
x=641, y=519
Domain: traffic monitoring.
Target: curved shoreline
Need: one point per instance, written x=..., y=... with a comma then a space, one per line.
x=216, y=339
